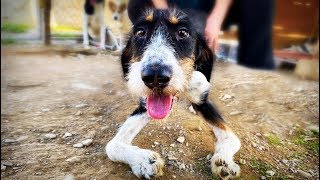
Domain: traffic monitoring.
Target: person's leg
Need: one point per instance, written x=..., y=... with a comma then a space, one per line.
x=255, y=34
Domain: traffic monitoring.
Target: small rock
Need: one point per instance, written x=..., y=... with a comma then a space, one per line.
x=87, y=142
x=234, y=113
x=74, y=159
x=174, y=176
x=304, y=174
x=226, y=97
x=254, y=144
x=9, y=141
x=78, y=113
x=7, y=163
x=181, y=139
x=270, y=173
x=199, y=128
x=263, y=177
x=22, y=138
x=67, y=134
x=284, y=161
x=156, y=143
x=191, y=109
x=82, y=105
x=209, y=156
x=3, y=168
x=258, y=134
x=242, y=161
x=104, y=128
x=182, y=166
x=69, y=177
x=172, y=145
x=45, y=109
x=38, y=173
x=78, y=145
x=50, y=136
x=171, y=157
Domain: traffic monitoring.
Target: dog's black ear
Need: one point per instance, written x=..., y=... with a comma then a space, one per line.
x=204, y=57
x=137, y=7
x=126, y=56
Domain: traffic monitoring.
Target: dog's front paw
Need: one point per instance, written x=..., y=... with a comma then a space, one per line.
x=225, y=169
x=147, y=164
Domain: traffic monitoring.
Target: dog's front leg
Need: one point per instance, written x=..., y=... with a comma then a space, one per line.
x=85, y=31
x=227, y=144
x=143, y=162
x=102, y=31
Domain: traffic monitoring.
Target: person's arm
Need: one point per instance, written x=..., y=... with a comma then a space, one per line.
x=214, y=22
x=160, y=4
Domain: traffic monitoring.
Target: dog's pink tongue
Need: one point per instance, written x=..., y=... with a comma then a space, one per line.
x=159, y=106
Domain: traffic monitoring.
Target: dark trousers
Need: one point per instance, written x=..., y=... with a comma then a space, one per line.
x=254, y=19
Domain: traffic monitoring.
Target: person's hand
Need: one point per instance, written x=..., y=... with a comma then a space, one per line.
x=160, y=4
x=214, y=22
x=211, y=33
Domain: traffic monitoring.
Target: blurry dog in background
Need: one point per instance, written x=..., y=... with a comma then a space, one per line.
x=119, y=17
x=118, y=9
x=94, y=28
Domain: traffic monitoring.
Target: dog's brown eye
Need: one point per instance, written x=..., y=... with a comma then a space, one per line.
x=141, y=33
x=183, y=33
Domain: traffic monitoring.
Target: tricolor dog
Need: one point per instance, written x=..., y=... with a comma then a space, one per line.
x=94, y=28
x=166, y=58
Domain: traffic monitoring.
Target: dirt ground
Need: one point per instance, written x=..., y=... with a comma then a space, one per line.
x=275, y=114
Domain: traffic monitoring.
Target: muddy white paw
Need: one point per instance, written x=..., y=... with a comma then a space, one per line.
x=148, y=164
x=225, y=169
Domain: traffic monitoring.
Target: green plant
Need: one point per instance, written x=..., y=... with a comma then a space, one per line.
x=8, y=41
x=14, y=28
x=274, y=139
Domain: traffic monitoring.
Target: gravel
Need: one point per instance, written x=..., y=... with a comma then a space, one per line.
x=87, y=142
x=3, y=168
x=78, y=145
x=234, y=113
x=50, y=136
x=270, y=173
x=303, y=174
x=74, y=159
x=181, y=139
x=9, y=141
x=6, y=163
x=78, y=113
x=67, y=134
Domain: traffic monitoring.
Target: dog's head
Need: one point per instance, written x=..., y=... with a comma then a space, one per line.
x=162, y=52
x=117, y=9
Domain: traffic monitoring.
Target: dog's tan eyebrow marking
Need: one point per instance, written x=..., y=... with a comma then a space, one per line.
x=149, y=15
x=173, y=19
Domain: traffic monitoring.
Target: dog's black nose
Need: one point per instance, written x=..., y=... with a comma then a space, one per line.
x=115, y=17
x=156, y=76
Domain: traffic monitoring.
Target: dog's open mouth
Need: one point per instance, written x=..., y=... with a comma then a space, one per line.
x=159, y=105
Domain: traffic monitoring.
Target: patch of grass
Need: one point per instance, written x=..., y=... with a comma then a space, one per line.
x=14, y=28
x=261, y=168
x=273, y=139
x=8, y=41
x=313, y=144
